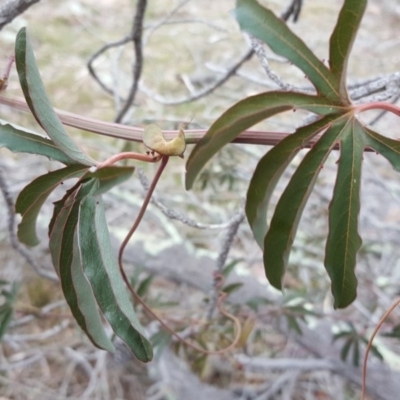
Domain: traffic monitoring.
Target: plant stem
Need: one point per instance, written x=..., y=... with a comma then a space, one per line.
x=129, y=155
x=164, y=161
x=378, y=106
x=135, y=134
x=238, y=328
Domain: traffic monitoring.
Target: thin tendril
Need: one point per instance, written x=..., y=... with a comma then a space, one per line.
x=164, y=161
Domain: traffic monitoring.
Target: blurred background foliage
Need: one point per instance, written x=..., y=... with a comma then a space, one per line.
x=43, y=354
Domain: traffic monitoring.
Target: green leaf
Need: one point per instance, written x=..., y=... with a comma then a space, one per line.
x=341, y=334
x=269, y=170
x=300, y=311
x=265, y=25
x=356, y=353
x=93, y=324
x=17, y=140
x=280, y=236
x=134, y=278
x=342, y=40
x=159, y=340
x=255, y=302
x=68, y=263
x=343, y=240
x=61, y=211
x=101, y=269
x=144, y=286
x=39, y=103
x=6, y=316
x=374, y=350
x=32, y=197
x=110, y=177
x=229, y=289
x=245, y=114
x=293, y=324
x=394, y=333
x=7, y=308
x=346, y=348
x=389, y=148
x=230, y=267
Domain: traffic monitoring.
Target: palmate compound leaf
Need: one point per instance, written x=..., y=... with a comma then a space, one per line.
x=38, y=102
x=101, y=269
x=32, y=197
x=90, y=278
x=341, y=128
x=343, y=240
x=268, y=172
x=389, y=148
x=342, y=40
x=245, y=114
x=280, y=235
x=110, y=176
x=265, y=25
x=21, y=141
x=75, y=286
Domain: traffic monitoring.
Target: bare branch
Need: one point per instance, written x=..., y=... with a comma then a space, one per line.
x=12, y=9
x=203, y=92
x=258, y=47
x=41, y=313
x=122, y=42
x=164, y=20
x=379, y=89
x=236, y=220
x=263, y=364
x=24, y=363
x=293, y=10
x=137, y=31
x=286, y=381
x=252, y=77
x=192, y=21
x=97, y=54
x=173, y=214
x=53, y=331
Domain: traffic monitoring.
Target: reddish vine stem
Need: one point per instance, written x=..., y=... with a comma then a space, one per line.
x=374, y=333
x=238, y=328
x=164, y=161
x=379, y=106
x=4, y=80
x=129, y=155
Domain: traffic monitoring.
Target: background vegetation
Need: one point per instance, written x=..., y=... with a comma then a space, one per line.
x=43, y=355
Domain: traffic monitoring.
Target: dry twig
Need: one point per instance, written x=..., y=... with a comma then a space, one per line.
x=227, y=242
x=293, y=10
x=137, y=31
x=173, y=214
x=203, y=92
x=12, y=9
